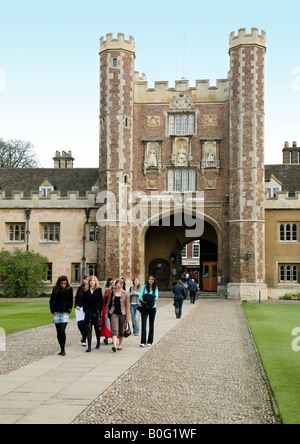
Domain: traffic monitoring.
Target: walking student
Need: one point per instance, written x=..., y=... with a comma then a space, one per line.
x=180, y=294
x=134, y=293
x=106, y=329
x=193, y=289
x=118, y=308
x=148, y=297
x=61, y=304
x=92, y=307
x=79, y=308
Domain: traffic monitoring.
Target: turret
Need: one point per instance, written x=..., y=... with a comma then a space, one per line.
x=117, y=58
x=247, y=218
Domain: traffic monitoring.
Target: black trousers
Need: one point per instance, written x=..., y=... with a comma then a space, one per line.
x=61, y=335
x=151, y=313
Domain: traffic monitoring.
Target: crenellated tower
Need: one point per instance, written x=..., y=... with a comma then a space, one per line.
x=247, y=216
x=117, y=60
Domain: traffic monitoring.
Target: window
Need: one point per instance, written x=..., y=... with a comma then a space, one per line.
x=91, y=269
x=288, y=232
x=16, y=232
x=47, y=190
x=184, y=252
x=196, y=251
x=182, y=125
x=93, y=233
x=182, y=181
x=115, y=63
x=76, y=273
x=49, y=273
x=51, y=233
x=289, y=274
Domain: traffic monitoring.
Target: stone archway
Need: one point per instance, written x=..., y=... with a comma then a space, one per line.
x=166, y=243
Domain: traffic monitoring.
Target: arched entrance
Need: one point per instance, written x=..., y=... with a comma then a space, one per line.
x=160, y=269
x=167, y=242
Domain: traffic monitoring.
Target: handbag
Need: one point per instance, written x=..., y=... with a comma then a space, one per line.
x=127, y=331
x=100, y=320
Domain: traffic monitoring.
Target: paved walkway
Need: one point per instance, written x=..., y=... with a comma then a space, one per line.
x=203, y=369
x=55, y=390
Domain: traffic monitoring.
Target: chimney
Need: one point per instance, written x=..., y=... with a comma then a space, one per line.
x=63, y=160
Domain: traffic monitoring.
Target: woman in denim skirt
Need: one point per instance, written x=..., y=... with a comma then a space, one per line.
x=61, y=304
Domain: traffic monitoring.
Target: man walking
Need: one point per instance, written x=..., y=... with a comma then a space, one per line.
x=193, y=289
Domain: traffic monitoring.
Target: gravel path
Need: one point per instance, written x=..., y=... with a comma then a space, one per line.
x=205, y=371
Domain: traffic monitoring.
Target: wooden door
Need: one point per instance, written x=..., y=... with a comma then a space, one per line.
x=210, y=276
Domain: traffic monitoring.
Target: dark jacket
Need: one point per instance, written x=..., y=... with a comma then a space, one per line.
x=179, y=292
x=92, y=305
x=193, y=287
x=61, y=301
x=79, y=297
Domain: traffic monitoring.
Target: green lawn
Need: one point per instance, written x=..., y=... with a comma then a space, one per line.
x=272, y=326
x=18, y=316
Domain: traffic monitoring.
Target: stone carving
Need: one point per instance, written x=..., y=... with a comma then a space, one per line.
x=152, y=155
x=182, y=156
x=153, y=122
x=210, y=120
x=183, y=101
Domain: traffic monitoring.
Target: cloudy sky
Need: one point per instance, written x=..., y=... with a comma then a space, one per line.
x=49, y=63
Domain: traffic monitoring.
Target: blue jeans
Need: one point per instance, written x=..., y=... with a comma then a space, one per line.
x=135, y=317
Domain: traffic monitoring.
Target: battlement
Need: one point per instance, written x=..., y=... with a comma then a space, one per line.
x=36, y=200
x=282, y=201
x=163, y=93
x=117, y=44
x=254, y=38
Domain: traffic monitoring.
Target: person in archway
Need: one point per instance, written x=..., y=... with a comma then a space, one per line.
x=180, y=294
x=193, y=289
x=148, y=297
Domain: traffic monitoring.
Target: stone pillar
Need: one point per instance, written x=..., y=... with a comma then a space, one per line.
x=247, y=214
x=117, y=58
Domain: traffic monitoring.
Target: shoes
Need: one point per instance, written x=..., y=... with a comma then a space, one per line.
x=114, y=349
x=62, y=354
x=149, y=345
x=98, y=346
x=120, y=349
x=83, y=344
x=105, y=341
x=143, y=345
x=88, y=350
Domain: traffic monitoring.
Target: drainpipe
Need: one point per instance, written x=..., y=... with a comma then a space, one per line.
x=87, y=214
x=28, y=214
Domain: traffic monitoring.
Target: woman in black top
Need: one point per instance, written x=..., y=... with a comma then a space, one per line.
x=61, y=302
x=92, y=307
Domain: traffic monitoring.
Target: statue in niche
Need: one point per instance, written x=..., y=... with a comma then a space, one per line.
x=210, y=155
x=152, y=157
x=182, y=156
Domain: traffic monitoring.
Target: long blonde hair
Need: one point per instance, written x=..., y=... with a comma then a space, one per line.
x=96, y=280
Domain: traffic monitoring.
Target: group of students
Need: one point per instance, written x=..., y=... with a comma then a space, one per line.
x=107, y=314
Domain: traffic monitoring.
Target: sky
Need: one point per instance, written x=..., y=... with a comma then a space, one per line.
x=49, y=63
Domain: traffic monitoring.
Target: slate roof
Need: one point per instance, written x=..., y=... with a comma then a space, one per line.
x=287, y=174
x=30, y=179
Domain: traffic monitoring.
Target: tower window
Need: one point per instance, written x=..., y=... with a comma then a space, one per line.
x=115, y=63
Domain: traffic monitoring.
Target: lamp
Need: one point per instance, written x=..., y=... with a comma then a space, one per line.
x=248, y=256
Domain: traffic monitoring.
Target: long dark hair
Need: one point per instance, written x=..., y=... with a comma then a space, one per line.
x=58, y=288
x=154, y=286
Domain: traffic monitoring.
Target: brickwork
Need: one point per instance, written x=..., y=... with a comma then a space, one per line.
x=228, y=119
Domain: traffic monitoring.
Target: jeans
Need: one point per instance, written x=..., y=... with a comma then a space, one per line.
x=151, y=313
x=178, y=308
x=135, y=317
